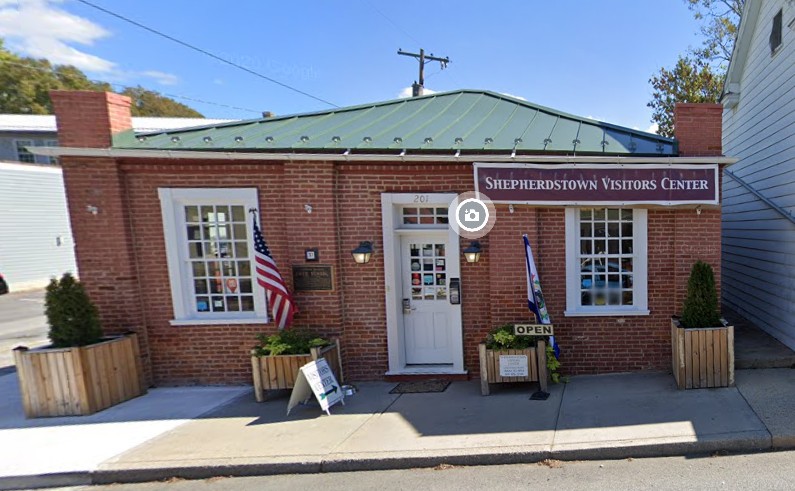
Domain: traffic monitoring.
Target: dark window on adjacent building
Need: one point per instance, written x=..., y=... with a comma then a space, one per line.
x=775, y=33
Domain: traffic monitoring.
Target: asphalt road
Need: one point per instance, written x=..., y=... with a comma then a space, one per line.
x=22, y=322
x=768, y=471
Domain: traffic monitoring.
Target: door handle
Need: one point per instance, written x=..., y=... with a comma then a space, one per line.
x=407, y=308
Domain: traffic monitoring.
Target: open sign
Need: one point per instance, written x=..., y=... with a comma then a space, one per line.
x=533, y=330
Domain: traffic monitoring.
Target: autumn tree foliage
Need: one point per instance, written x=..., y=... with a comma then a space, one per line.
x=698, y=74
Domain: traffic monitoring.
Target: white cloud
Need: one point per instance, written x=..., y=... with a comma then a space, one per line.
x=161, y=77
x=406, y=92
x=654, y=128
x=41, y=29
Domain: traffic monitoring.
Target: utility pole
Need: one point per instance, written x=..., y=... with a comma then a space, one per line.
x=417, y=88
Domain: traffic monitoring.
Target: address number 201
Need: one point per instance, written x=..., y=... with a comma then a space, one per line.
x=421, y=198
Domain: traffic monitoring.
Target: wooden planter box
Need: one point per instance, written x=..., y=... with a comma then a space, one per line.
x=490, y=366
x=280, y=371
x=79, y=381
x=702, y=358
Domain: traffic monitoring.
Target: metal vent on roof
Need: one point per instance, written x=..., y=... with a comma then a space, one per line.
x=336, y=139
x=269, y=139
x=367, y=139
x=174, y=139
x=238, y=139
x=428, y=140
x=304, y=138
x=398, y=140
x=488, y=140
x=207, y=139
x=458, y=140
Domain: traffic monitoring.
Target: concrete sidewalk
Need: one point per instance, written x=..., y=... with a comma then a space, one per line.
x=609, y=416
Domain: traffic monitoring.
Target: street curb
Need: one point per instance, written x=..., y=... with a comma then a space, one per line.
x=751, y=442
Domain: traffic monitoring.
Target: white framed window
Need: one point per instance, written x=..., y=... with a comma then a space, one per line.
x=209, y=251
x=606, y=261
x=22, y=153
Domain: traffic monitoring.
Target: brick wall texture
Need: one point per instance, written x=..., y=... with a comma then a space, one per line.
x=121, y=257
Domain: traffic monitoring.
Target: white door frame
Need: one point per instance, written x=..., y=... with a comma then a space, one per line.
x=393, y=230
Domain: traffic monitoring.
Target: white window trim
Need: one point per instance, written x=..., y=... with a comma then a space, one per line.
x=172, y=203
x=640, y=265
x=24, y=143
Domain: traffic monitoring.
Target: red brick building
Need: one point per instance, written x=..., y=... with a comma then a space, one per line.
x=163, y=233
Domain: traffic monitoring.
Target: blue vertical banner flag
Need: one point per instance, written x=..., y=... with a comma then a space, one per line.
x=535, y=299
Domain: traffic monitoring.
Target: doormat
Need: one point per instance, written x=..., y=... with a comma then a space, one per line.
x=420, y=387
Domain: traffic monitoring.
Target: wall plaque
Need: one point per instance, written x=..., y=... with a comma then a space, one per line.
x=313, y=278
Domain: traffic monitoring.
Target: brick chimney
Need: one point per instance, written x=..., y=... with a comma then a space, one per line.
x=89, y=119
x=698, y=128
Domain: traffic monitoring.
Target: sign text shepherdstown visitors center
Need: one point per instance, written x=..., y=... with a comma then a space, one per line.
x=538, y=184
x=354, y=204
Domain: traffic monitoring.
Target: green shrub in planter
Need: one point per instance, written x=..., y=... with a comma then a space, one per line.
x=502, y=338
x=73, y=318
x=701, y=304
x=286, y=342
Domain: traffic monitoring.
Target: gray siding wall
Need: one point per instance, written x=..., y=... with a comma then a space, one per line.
x=758, y=264
x=35, y=236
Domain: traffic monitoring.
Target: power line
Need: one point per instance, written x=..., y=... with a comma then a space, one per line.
x=173, y=96
x=394, y=24
x=204, y=52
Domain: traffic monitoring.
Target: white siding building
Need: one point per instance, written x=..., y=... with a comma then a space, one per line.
x=759, y=191
x=35, y=236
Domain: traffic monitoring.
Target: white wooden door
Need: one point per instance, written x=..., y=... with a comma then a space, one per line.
x=428, y=316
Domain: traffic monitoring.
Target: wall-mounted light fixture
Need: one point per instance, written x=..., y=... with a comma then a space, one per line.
x=472, y=253
x=92, y=209
x=308, y=208
x=362, y=253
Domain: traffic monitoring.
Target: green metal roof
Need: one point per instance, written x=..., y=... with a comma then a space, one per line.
x=471, y=121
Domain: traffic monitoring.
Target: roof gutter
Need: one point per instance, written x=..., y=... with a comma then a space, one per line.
x=349, y=157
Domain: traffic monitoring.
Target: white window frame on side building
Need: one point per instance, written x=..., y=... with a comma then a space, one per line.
x=574, y=307
x=172, y=204
x=20, y=147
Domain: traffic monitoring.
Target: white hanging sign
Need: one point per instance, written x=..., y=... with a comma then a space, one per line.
x=316, y=378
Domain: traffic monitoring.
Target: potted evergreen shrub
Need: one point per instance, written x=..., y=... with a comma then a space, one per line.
x=504, y=353
x=81, y=372
x=702, y=343
x=277, y=358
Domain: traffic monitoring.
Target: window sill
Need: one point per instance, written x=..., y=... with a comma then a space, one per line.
x=604, y=313
x=218, y=322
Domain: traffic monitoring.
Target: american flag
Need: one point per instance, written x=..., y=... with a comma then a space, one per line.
x=280, y=302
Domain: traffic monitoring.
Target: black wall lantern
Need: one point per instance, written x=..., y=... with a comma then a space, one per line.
x=472, y=253
x=362, y=253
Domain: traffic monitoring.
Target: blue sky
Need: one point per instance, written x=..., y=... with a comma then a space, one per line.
x=589, y=58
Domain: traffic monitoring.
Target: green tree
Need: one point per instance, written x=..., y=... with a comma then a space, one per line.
x=25, y=85
x=73, y=319
x=150, y=103
x=698, y=74
x=701, y=303
x=691, y=80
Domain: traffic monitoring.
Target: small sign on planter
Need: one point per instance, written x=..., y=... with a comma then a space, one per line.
x=316, y=378
x=513, y=366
